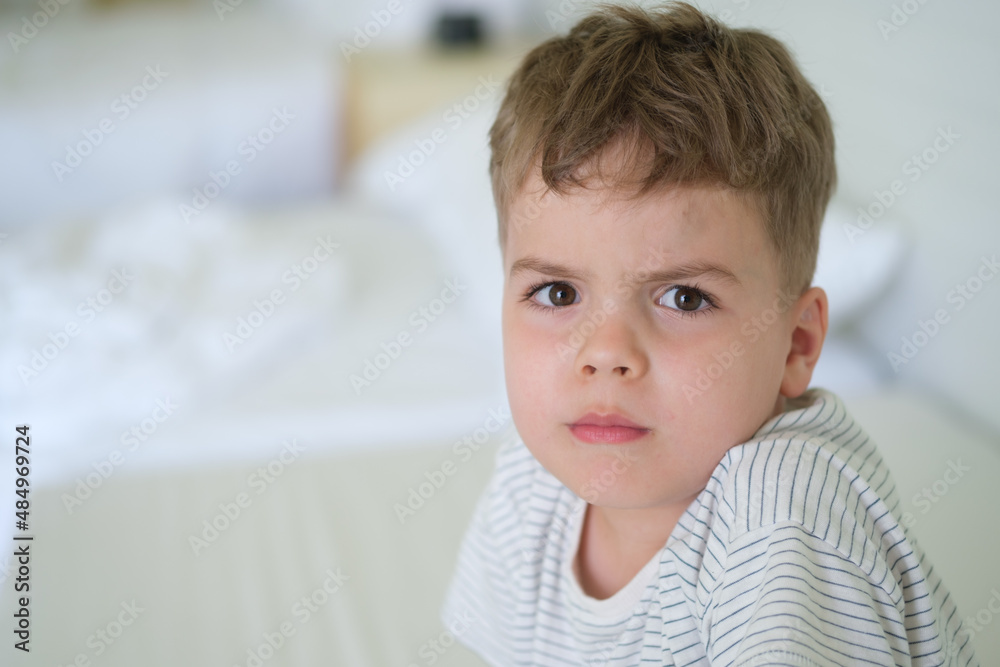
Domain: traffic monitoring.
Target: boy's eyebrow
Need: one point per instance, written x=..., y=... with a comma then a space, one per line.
x=674, y=274
x=531, y=263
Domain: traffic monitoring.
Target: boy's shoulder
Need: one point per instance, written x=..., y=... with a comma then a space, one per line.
x=811, y=465
x=810, y=475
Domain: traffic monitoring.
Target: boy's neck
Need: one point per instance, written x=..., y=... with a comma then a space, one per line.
x=616, y=543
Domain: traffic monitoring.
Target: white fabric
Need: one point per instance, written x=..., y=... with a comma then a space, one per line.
x=173, y=334
x=448, y=196
x=793, y=554
x=855, y=270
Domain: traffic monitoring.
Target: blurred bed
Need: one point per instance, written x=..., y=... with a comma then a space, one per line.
x=259, y=429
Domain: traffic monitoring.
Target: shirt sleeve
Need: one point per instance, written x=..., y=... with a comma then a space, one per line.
x=480, y=591
x=790, y=598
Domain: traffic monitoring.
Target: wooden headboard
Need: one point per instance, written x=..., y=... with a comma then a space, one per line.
x=387, y=89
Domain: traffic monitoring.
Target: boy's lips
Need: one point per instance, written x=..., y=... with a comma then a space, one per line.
x=611, y=428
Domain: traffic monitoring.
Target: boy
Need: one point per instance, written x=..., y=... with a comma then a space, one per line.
x=680, y=496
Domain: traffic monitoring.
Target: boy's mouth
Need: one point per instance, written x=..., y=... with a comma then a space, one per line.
x=611, y=428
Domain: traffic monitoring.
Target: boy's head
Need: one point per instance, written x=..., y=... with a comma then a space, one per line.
x=660, y=181
x=692, y=101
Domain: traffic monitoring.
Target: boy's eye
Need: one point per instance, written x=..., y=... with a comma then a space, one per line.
x=557, y=294
x=687, y=299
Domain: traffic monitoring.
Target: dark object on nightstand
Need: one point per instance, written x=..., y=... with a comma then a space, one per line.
x=459, y=30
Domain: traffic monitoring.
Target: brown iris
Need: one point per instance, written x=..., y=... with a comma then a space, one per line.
x=562, y=294
x=687, y=298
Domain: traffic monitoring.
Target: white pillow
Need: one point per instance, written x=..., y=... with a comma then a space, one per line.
x=857, y=262
x=436, y=172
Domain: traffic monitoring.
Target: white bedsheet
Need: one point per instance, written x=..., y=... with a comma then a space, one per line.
x=173, y=334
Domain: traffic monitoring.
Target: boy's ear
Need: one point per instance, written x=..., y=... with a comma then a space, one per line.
x=808, y=325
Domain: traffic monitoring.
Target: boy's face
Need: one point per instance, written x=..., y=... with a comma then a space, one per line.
x=667, y=311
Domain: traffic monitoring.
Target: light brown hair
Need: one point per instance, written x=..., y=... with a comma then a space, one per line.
x=692, y=101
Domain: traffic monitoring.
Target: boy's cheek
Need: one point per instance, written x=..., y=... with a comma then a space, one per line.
x=536, y=347
x=711, y=378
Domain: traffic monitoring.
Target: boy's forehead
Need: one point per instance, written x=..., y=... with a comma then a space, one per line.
x=709, y=220
x=685, y=207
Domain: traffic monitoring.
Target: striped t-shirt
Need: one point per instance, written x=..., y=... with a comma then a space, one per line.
x=793, y=554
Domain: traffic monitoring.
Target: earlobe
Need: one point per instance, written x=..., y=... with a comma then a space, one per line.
x=808, y=331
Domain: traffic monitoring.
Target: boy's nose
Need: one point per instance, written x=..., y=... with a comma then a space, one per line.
x=612, y=348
